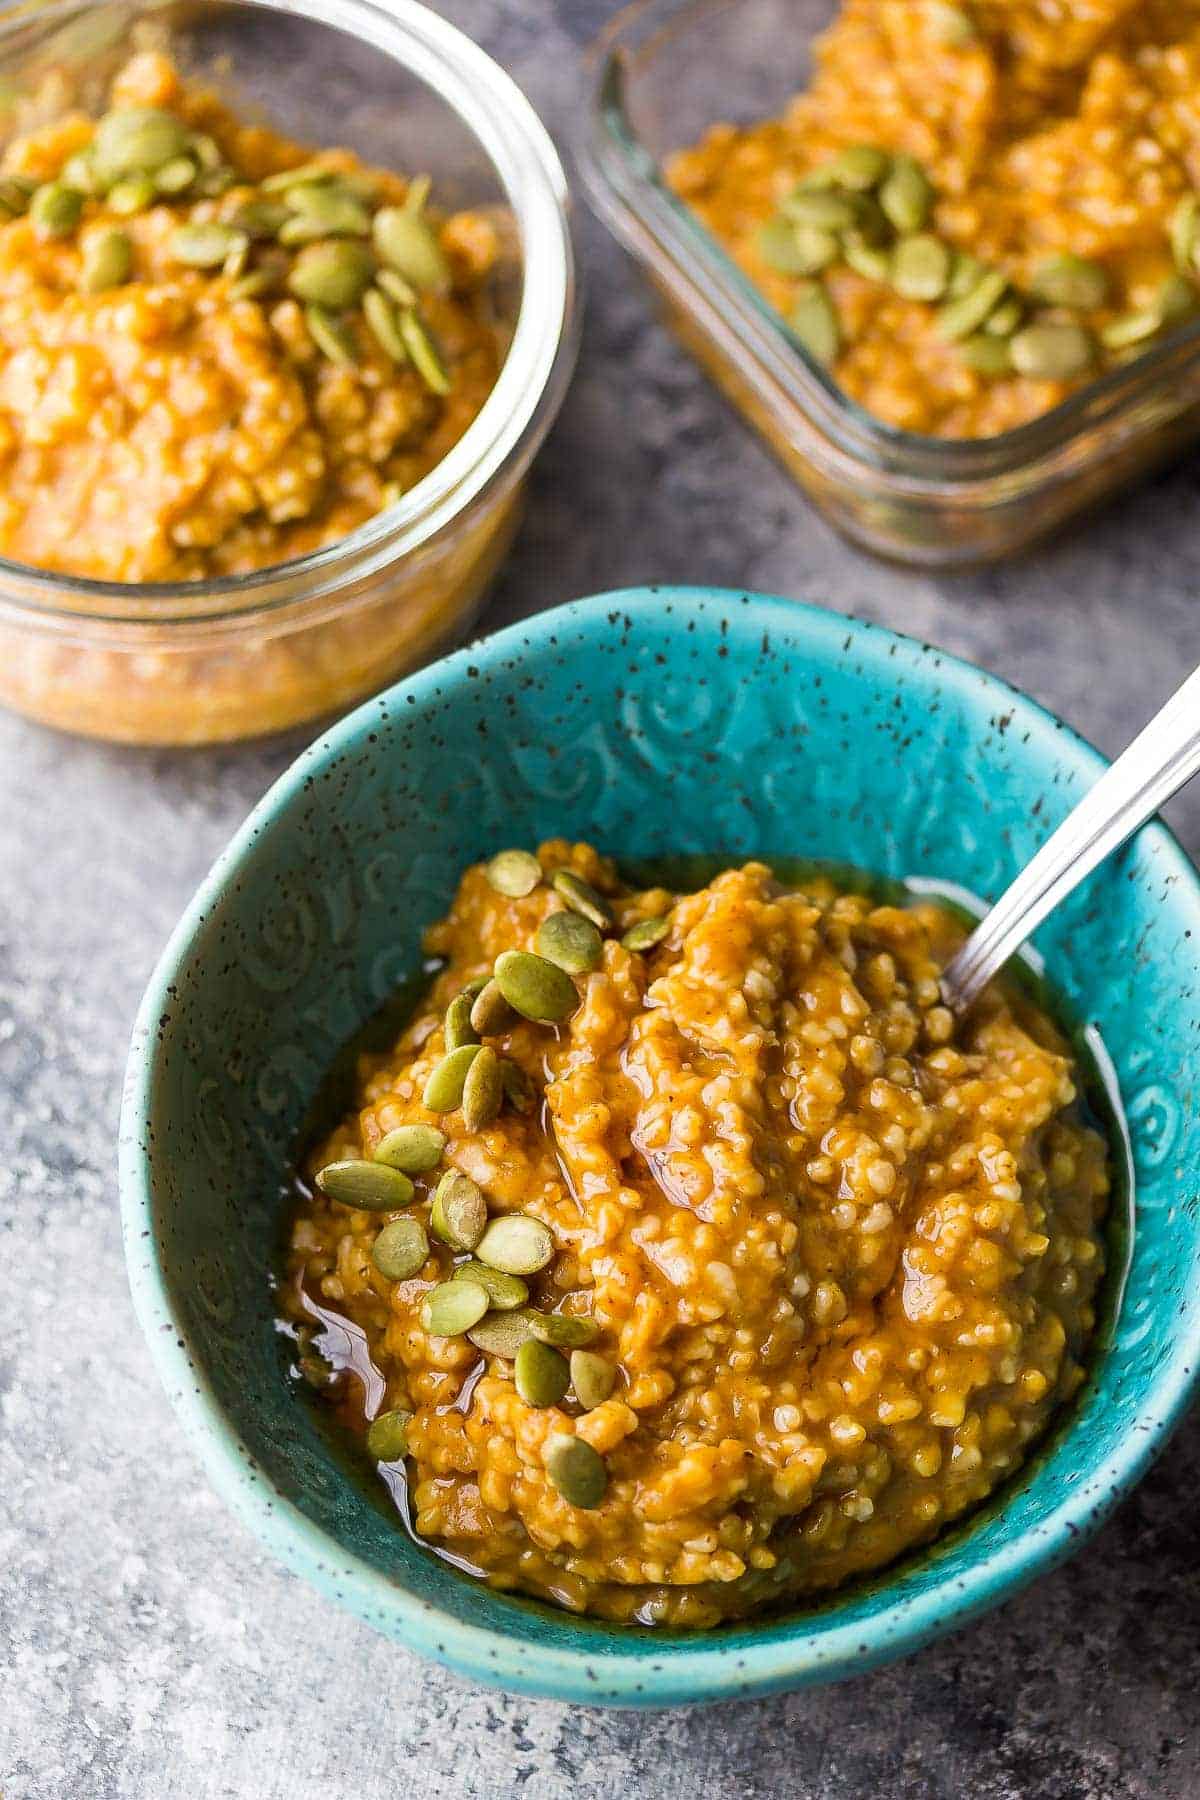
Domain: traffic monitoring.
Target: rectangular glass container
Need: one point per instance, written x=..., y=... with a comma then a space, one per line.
x=664, y=72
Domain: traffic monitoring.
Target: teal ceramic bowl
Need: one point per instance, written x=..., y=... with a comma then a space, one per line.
x=661, y=720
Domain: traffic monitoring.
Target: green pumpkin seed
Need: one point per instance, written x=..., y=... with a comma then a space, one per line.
x=490, y=1012
x=951, y=25
x=55, y=209
x=818, y=180
x=564, y=1330
x=1052, y=350
x=413, y=1149
x=401, y=1249
x=205, y=151
x=987, y=355
x=1184, y=230
x=1068, y=280
x=513, y=872
x=483, y=1091
x=444, y=1088
x=396, y=288
x=518, y=1088
x=906, y=195
x=423, y=352
x=965, y=273
x=335, y=210
x=176, y=176
x=571, y=941
x=501, y=1334
x=106, y=261
x=259, y=220
x=334, y=275
x=867, y=260
x=963, y=317
x=795, y=249
x=646, y=934
x=452, y=1308
x=263, y=280
x=582, y=897
x=133, y=195
x=458, y=1214
x=859, y=167
x=204, y=246
x=313, y=196
x=458, y=1029
x=297, y=231
x=1006, y=319
x=405, y=243
x=538, y=989
x=921, y=267
x=370, y=1186
x=332, y=336
x=381, y=318
x=776, y=244
x=419, y=189
x=822, y=211
x=1131, y=328
x=815, y=249
x=136, y=140
x=505, y=1292
x=593, y=1377
x=303, y=174
x=576, y=1470
x=387, y=1435
x=516, y=1244
x=77, y=172
x=1177, y=297
x=814, y=322
x=541, y=1375
x=210, y=184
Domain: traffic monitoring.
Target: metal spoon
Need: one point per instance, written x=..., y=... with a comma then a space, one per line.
x=1160, y=760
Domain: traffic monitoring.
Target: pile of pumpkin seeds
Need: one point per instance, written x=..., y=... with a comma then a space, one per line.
x=486, y=1297
x=871, y=211
x=356, y=266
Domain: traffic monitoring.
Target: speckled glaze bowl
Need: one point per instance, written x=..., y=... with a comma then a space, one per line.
x=660, y=720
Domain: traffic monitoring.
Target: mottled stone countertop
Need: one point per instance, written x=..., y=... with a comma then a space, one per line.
x=148, y=1648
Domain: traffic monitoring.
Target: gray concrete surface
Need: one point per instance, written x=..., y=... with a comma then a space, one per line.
x=147, y=1648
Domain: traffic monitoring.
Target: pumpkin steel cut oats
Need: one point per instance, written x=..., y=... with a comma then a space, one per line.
x=765, y=1267
x=219, y=351
x=975, y=208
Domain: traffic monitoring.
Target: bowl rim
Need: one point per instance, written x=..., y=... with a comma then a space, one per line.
x=742, y=1662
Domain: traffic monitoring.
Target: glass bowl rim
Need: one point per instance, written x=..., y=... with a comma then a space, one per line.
x=513, y=418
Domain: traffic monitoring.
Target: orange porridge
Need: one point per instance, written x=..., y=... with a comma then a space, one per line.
x=699, y=1257
x=974, y=208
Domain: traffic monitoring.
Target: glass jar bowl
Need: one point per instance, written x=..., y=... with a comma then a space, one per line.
x=210, y=661
x=662, y=73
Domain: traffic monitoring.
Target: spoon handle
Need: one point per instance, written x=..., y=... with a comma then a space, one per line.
x=1160, y=760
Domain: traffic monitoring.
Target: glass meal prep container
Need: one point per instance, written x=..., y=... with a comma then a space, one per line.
x=213, y=660
x=661, y=75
